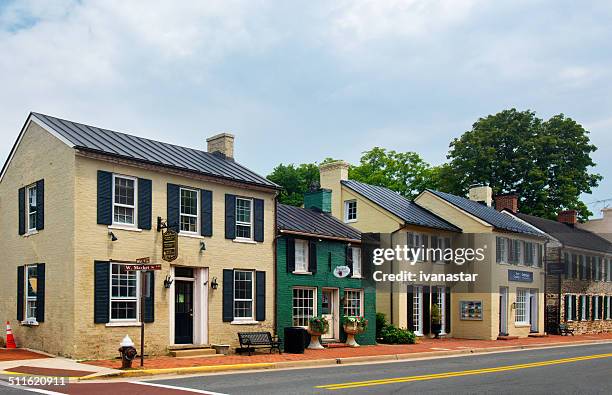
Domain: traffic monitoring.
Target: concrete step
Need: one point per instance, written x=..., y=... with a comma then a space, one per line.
x=193, y=353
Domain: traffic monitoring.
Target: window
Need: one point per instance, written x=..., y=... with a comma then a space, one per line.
x=583, y=262
x=572, y=267
x=596, y=307
x=522, y=306
x=417, y=310
x=189, y=210
x=570, y=307
x=584, y=315
x=514, y=251
x=609, y=308
x=243, y=295
x=31, y=272
x=350, y=211
x=304, y=305
x=244, y=218
x=356, y=251
x=352, y=303
x=32, y=207
x=529, y=257
x=441, y=302
x=124, y=293
x=501, y=254
x=415, y=241
x=301, y=256
x=124, y=201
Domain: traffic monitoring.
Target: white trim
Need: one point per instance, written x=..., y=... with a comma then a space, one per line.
x=358, y=249
x=305, y=247
x=244, y=322
x=176, y=388
x=123, y=299
x=240, y=223
x=346, y=211
x=245, y=241
x=116, y=323
x=124, y=227
x=252, y=317
x=31, y=187
x=134, y=206
x=197, y=216
x=315, y=301
x=30, y=233
x=28, y=298
x=361, y=300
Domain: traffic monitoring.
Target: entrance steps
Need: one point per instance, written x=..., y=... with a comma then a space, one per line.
x=334, y=344
x=193, y=351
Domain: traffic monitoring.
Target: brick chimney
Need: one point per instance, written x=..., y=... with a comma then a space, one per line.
x=221, y=144
x=482, y=194
x=569, y=217
x=331, y=176
x=506, y=202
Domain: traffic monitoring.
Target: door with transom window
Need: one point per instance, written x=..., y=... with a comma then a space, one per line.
x=330, y=311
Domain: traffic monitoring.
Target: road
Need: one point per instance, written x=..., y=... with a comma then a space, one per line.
x=562, y=370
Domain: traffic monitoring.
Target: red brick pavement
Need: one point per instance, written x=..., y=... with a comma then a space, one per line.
x=18, y=354
x=424, y=345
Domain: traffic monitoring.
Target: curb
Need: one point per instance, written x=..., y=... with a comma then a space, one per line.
x=328, y=362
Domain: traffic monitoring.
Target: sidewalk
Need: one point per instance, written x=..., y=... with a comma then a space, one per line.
x=331, y=356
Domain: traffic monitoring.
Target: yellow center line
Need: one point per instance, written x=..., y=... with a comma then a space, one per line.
x=460, y=373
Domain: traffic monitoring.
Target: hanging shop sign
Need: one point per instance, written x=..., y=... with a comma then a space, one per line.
x=169, y=245
x=520, y=276
x=342, y=271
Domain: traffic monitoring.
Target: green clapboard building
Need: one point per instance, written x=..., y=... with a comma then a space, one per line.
x=314, y=251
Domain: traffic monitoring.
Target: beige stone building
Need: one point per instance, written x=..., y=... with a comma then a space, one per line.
x=79, y=203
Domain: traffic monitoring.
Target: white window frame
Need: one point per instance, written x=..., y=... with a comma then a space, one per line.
x=522, y=306
x=595, y=307
x=198, y=210
x=361, y=296
x=356, y=254
x=30, y=299
x=29, y=226
x=246, y=224
x=112, y=298
x=417, y=244
x=302, y=266
x=134, y=207
x=417, y=309
x=441, y=302
x=583, y=308
x=569, y=310
x=503, y=252
x=303, y=307
x=347, y=211
x=252, y=299
x=609, y=313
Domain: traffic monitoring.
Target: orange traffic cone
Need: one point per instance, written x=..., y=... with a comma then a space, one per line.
x=10, y=340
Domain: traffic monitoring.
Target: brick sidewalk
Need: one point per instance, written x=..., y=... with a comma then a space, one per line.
x=424, y=345
x=18, y=354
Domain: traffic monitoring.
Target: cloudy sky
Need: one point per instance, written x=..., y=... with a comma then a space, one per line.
x=300, y=81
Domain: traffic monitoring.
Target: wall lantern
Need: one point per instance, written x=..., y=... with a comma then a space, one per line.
x=202, y=246
x=168, y=281
x=112, y=236
x=214, y=284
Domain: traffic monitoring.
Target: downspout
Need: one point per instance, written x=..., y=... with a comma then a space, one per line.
x=274, y=247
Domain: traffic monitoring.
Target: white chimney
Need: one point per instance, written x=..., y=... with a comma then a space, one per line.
x=481, y=194
x=222, y=143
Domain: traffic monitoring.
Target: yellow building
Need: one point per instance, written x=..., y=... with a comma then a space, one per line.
x=80, y=203
x=505, y=295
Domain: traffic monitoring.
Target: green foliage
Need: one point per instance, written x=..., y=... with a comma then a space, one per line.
x=436, y=316
x=381, y=322
x=360, y=322
x=295, y=180
x=318, y=324
x=545, y=162
x=393, y=335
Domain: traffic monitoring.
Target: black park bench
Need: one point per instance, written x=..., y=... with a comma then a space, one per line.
x=565, y=330
x=250, y=340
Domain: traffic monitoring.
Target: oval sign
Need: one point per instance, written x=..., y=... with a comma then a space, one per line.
x=342, y=271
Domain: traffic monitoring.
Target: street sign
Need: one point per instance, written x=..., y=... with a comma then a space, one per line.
x=146, y=259
x=155, y=266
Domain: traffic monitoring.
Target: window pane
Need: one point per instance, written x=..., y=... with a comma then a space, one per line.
x=32, y=283
x=301, y=256
x=243, y=294
x=303, y=306
x=352, y=303
x=356, y=261
x=189, y=224
x=123, y=283
x=123, y=310
x=189, y=202
x=124, y=215
x=243, y=210
x=243, y=231
x=124, y=191
x=31, y=309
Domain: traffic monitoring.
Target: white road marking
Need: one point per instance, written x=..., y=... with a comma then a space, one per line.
x=172, y=387
x=37, y=390
x=440, y=348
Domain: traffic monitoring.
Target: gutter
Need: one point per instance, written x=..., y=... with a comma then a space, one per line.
x=306, y=234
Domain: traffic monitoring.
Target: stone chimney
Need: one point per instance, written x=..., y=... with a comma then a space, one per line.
x=331, y=176
x=506, y=202
x=482, y=194
x=569, y=217
x=221, y=144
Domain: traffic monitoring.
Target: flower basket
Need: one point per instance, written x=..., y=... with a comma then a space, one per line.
x=353, y=326
x=316, y=327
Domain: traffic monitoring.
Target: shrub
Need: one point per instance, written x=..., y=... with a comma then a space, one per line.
x=393, y=335
x=381, y=323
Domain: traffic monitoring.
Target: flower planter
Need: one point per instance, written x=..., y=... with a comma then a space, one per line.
x=315, y=343
x=221, y=348
x=351, y=330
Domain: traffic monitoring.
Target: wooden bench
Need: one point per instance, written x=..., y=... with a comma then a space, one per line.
x=565, y=330
x=251, y=340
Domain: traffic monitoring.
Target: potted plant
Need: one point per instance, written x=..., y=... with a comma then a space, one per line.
x=316, y=327
x=353, y=326
x=436, y=320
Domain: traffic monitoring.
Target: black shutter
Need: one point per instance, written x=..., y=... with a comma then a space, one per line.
x=588, y=308
x=567, y=265
x=410, y=303
x=145, y=203
x=290, y=251
x=40, y=292
x=600, y=307
x=172, y=205
x=447, y=244
x=260, y=296
x=40, y=206
x=149, y=300
x=20, y=292
x=447, y=309
x=579, y=307
x=348, y=255
x=567, y=317
x=426, y=310
x=21, y=211
x=312, y=257
x=230, y=216
x=207, y=213
x=424, y=248
x=434, y=299
x=259, y=219
x=101, y=292
x=228, y=295
x=105, y=197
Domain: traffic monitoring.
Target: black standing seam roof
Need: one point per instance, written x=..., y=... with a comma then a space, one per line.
x=570, y=236
x=487, y=214
x=398, y=205
x=304, y=220
x=91, y=138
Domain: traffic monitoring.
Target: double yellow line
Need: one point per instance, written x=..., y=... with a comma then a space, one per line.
x=407, y=379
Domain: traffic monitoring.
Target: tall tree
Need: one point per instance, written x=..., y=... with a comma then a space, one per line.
x=295, y=180
x=545, y=162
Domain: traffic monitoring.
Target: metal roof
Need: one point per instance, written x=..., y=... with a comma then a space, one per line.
x=487, y=214
x=569, y=235
x=398, y=205
x=109, y=142
x=315, y=222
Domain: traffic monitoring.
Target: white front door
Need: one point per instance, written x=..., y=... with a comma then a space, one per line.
x=329, y=311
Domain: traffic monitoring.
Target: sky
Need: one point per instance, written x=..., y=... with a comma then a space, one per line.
x=297, y=82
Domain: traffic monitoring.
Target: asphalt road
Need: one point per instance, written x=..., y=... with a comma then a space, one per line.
x=563, y=370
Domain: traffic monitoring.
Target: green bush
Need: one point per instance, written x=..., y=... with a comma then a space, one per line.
x=381, y=323
x=393, y=335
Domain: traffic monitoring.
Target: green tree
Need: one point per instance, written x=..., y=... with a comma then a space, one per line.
x=295, y=180
x=403, y=172
x=545, y=162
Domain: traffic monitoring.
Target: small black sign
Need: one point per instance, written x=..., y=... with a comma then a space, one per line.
x=169, y=245
x=521, y=276
x=556, y=268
